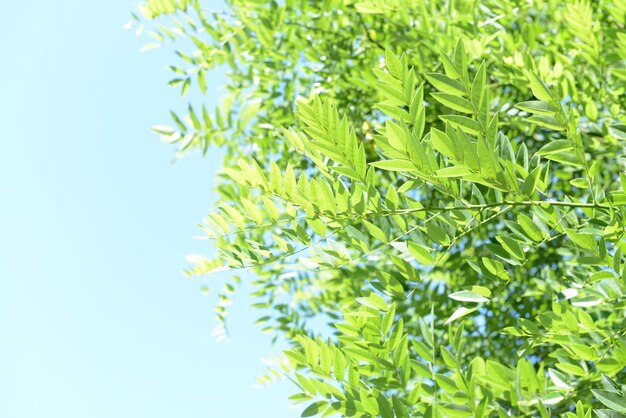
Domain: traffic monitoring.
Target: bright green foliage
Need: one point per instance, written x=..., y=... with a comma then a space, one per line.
x=440, y=182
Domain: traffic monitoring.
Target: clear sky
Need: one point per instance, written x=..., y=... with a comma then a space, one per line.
x=95, y=221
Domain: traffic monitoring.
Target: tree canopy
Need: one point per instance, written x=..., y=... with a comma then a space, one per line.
x=431, y=195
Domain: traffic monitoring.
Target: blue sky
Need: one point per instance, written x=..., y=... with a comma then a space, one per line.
x=95, y=221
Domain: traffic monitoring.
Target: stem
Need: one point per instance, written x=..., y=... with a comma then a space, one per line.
x=498, y=204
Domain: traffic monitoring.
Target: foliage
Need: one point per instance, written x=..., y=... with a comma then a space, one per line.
x=440, y=183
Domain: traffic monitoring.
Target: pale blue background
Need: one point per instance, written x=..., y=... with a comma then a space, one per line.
x=95, y=318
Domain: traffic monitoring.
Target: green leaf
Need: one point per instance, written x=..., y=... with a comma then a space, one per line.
x=618, y=131
x=420, y=253
x=339, y=365
x=540, y=90
x=586, y=241
x=289, y=181
x=442, y=143
x=185, y=88
x=530, y=228
x=394, y=64
x=276, y=183
x=454, y=102
x=437, y=234
x=512, y=247
x=488, y=164
x=375, y=231
x=271, y=208
x=460, y=56
x=395, y=112
x=582, y=351
x=464, y=123
x=481, y=290
x=373, y=301
x=447, y=384
x=468, y=296
x=531, y=181
x=581, y=183
x=394, y=165
x=252, y=211
x=449, y=66
x=559, y=379
x=607, y=413
x=314, y=408
x=478, y=86
x=553, y=147
x=613, y=400
x=537, y=106
x=368, y=7
x=445, y=84
x=396, y=136
x=547, y=121
x=571, y=369
x=201, y=82
x=235, y=215
x=455, y=171
x=459, y=313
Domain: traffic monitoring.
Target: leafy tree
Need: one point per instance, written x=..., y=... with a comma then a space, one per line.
x=440, y=183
